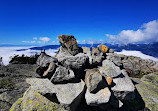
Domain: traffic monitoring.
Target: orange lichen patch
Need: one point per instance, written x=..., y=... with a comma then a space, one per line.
x=109, y=80
x=49, y=67
x=104, y=48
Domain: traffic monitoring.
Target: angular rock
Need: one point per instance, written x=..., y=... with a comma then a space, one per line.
x=62, y=74
x=147, y=88
x=69, y=94
x=34, y=101
x=75, y=62
x=44, y=60
x=94, y=81
x=109, y=69
x=70, y=43
x=123, y=88
x=114, y=58
x=62, y=54
x=100, y=97
x=111, y=50
x=97, y=56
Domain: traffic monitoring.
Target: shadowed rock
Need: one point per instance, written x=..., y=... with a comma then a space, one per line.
x=62, y=74
x=94, y=80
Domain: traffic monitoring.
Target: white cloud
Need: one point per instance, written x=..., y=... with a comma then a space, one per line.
x=45, y=39
x=7, y=52
x=137, y=54
x=29, y=41
x=26, y=41
x=33, y=41
x=147, y=33
x=35, y=38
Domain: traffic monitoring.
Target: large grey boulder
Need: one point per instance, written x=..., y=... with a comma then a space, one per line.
x=69, y=42
x=148, y=89
x=46, y=64
x=34, y=101
x=100, y=97
x=123, y=88
x=94, y=80
x=69, y=95
x=62, y=54
x=109, y=69
x=97, y=56
x=75, y=62
x=114, y=58
x=44, y=59
x=62, y=74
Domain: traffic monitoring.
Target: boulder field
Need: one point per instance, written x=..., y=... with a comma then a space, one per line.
x=80, y=79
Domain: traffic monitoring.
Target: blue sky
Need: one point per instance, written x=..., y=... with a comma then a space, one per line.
x=39, y=22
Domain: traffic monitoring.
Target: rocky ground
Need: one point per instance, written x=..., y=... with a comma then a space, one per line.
x=13, y=83
x=78, y=79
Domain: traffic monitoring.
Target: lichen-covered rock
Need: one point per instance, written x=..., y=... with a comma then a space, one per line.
x=109, y=69
x=100, y=97
x=123, y=88
x=69, y=95
x=33, y=101
x=93, y=80
x=148, y=89
x=103, y=48
x=70, y=43
x=62, y=74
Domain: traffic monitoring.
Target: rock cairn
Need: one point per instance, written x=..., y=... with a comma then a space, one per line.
x=81, y=80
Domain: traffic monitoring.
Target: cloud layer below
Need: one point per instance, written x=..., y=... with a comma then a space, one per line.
x=7, y=52
x=147, y=33
x=137, y=54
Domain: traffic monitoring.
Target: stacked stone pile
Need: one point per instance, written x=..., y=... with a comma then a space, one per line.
x=78, y=79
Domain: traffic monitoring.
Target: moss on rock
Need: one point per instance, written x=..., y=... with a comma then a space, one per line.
x=33, y=101
x=148, y=89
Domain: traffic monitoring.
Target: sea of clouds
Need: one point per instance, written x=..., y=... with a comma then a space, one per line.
x=137, y=54
x=8, y=52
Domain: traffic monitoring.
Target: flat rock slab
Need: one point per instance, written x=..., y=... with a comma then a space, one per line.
x=100, y=97
x=66, y=93
x=109, y=69
x=123, y=83
x=123, y=88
